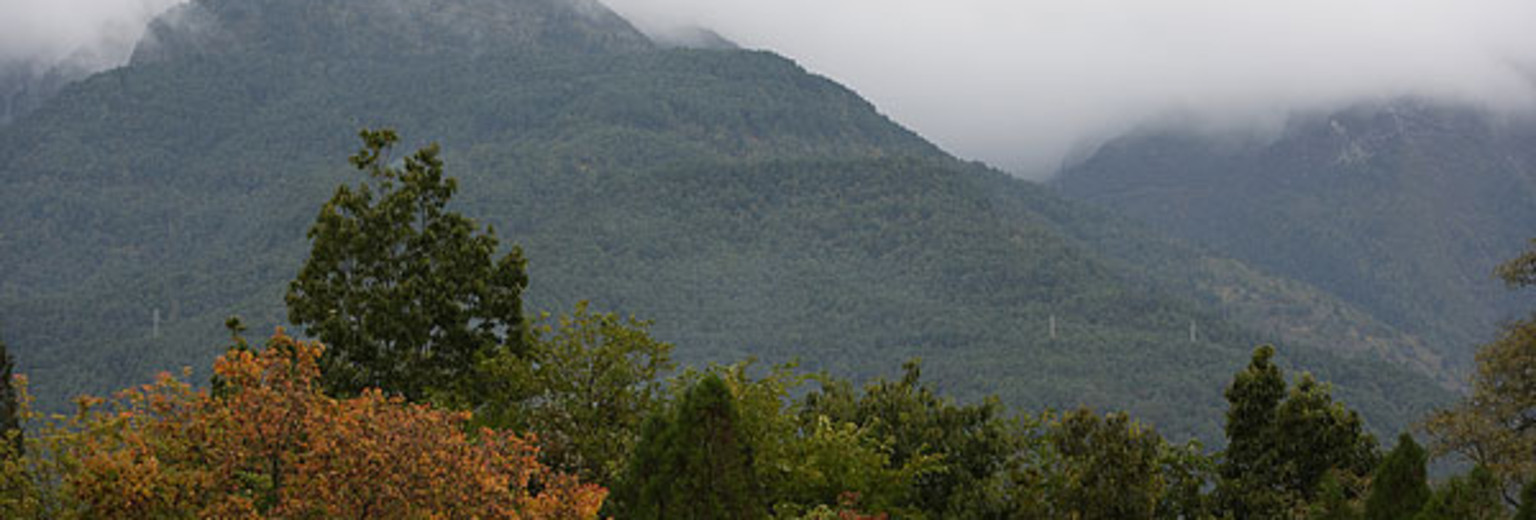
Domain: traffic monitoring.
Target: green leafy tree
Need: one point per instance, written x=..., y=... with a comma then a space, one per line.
x=692, y=462
x=972, y=442
x=586, y=385
x=1332, y=501
x=1477, y=495
x=1281, y=444
x=808, y=461
x=1495, y=427
x=1109, y=467
x=1400, y=486
x=408, y=296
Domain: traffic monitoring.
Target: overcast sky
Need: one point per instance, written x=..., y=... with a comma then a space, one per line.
x=1021, y=83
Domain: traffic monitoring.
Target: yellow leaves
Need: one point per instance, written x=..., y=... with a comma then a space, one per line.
x=271, y=444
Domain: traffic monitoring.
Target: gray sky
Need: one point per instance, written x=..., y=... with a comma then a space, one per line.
x=1023, y=83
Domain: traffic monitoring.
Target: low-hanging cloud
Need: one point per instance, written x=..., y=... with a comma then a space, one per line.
x=1022, y=84
x=94, y=34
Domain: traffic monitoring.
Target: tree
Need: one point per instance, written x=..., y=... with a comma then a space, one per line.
x=1281, y=444
x=1495, y=426
x=807, y=462
x=692, y=463
x=586, y=385
x=1106, y=467
x=971, y=442
x=1332, y=502
x=1400, y=486
x=1247, y=466
x=274, y=445
x=408, y=296
x=1474, y=496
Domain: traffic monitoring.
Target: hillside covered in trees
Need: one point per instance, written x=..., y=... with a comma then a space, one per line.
x=434, y=396
x=747, y=207
x=1401, y=208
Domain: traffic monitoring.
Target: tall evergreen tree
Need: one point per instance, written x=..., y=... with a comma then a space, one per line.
x=407, y=296
x=1248, y=463
x=1475, y=496
x=692, y=464
x=1332, y=503
x=1400, y=486
x=1281, y=444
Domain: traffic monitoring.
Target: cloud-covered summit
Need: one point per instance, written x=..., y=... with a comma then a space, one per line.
x=1024, y=83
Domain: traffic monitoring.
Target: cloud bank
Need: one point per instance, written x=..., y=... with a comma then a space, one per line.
x=90, y=33
x=1023, y=84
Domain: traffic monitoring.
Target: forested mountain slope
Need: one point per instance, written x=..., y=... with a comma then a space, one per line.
x=748, y=207
x=1402, y=209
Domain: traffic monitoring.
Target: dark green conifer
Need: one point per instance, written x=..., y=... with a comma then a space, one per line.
x=1332, y=503
x=693, y=464
x=1400, y=486
x=1475, y=496
x=1281, y=443
x=407, y=296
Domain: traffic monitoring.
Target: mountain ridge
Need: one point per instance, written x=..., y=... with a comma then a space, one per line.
x=750, y=208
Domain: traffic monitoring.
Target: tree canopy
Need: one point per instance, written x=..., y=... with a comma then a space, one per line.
x=407, y=295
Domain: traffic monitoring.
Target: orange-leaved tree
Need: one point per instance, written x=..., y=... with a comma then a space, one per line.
x=267, y=442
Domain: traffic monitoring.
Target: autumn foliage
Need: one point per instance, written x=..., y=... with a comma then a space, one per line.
x=267, y=443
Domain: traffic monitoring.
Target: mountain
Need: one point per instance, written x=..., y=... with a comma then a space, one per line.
x=748, y=207
x=1401, y=209
x=26, y=84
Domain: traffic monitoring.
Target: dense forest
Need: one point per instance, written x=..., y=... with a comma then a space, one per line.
x=593, y=275
x=430, y=393
x=749, y=208
x=1399, y=207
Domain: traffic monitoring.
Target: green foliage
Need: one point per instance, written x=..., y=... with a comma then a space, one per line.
x=692, y=462
x=1397, y=208
x=970, y=441
x=1101, y=467
x=1494, y=427
x=407, y=296
x=807, y=460
x=1474, y=496
x=1400, y=485
x=1521, y=270
x=585, y=386
x=1527, y=510
x=747, y=206
x=1332, y=502
x=1281, y=444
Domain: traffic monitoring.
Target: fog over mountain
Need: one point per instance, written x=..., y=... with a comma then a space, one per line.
x=1023, y=84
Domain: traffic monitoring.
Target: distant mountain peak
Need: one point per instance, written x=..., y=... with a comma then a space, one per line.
x=386, y=27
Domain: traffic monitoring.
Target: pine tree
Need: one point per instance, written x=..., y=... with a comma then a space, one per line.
x=1332, y=502
x=1400, y=486
x=1281, y=444
x=1475, y=496
x=407, y=296
x=1254, y=395
x=693, y=464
